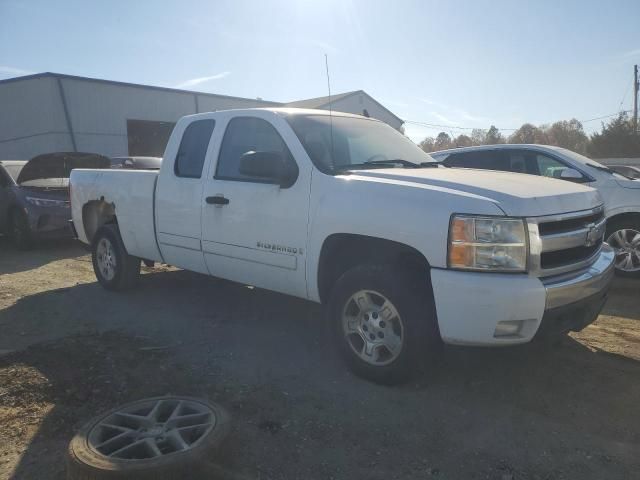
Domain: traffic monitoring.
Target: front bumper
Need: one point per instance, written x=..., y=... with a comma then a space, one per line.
x=49, y=221
x=471, y=306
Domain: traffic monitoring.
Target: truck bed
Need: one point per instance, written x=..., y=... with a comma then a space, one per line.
x=131, y=193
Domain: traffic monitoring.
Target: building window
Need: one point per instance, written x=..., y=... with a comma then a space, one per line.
x=148, y=138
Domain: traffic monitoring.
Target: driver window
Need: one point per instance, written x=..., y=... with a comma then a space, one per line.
x=246, y=134
x=549, y=167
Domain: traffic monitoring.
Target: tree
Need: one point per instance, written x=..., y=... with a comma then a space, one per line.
x=443, y=141
x=427, y=144
x=478, y=136
x=462, y=141
x=616, y=140
x=493, y=136
x=568, y=134
x=527, y=133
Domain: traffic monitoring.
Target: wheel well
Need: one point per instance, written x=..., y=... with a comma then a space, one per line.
x=623, y=217
x=95, y=214
x=341, y=252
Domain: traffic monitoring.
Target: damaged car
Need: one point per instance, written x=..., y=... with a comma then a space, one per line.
x=34, y=195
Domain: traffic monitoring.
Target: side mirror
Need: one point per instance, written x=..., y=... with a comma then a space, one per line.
x=571, y=175
x=268, y=166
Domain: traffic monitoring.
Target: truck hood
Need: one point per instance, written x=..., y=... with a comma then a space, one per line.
x=627, y=182
x=516, y=194
x=53, y=169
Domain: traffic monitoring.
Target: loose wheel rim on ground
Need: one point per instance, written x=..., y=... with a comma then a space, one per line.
x=626, y=244
x=152, y=428
x=373, y=327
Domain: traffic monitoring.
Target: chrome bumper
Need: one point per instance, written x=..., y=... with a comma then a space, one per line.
x=566, y=289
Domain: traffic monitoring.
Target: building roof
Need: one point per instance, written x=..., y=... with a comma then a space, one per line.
x=320, y=102
x=134, y=85
x=315, y=103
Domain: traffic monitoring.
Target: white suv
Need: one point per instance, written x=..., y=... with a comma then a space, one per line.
x=620, y=193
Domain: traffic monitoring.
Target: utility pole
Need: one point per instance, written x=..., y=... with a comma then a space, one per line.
x=635, y=99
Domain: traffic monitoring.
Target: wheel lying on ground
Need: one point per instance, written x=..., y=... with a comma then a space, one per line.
x=19, y=230
x=624, y=237
x=115, y=269
x=384, y=322
x=153, y=439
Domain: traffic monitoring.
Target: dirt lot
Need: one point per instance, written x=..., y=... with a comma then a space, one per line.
x=69, y=350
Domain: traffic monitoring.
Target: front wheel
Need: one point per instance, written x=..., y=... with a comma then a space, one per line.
x=384, y=321
x=624, y=237
x=19, y=230
x=115, y=269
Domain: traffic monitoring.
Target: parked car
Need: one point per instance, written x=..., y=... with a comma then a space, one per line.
x=346, y=211
x=626, y=171
x=9, y=171
x=34, y=195
x=621, y=194
x=137, y=163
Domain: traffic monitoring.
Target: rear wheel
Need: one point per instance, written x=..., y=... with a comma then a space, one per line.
x=384, y=322
x=19, y=230
x=624, y=237
x=115, y=269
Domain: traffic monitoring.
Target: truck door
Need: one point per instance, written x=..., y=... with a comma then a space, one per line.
x=254, y=228
x=179, y=199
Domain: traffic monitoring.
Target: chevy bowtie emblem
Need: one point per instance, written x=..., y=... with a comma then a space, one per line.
x=594, y=234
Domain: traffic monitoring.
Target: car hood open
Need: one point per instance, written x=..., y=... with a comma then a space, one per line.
x=59, y=165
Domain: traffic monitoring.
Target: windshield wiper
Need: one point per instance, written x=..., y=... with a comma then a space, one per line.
x=602, y=168
x=396, y=162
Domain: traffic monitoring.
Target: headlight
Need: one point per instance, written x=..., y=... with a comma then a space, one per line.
x=47, y=202
x=494, y=244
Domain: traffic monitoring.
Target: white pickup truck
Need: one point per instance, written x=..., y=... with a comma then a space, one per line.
x=344, y=210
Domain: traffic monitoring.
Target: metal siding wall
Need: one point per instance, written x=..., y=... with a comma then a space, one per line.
x=31, y=119
x=211, y=104
x=353, y=104
x=99, y=112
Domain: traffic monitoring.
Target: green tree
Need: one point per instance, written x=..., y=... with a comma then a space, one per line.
x=493, y=136
x=617, y=139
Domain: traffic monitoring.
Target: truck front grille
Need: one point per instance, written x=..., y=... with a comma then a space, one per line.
x=564, y=243
x=561, y=258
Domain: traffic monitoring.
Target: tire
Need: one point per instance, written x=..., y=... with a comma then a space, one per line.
x=619, y=235
x=120, y=271
x=19, y=231
x=85, y=462
x=411, y=329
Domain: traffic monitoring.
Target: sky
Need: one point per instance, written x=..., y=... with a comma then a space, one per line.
x=467, y=64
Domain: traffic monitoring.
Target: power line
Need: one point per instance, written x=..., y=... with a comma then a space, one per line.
x=457, y=127
x=624, y=97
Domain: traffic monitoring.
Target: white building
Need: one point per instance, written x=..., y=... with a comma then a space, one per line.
x=50, y=112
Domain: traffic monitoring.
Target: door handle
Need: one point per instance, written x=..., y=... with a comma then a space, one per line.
x=217, y=200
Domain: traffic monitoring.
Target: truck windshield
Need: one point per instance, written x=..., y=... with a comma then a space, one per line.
x=339, y=143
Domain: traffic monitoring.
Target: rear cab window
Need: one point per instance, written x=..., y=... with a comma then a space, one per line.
x=193, y=149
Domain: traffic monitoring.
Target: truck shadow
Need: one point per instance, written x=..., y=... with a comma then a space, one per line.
x=13, y=260
x=267, y=357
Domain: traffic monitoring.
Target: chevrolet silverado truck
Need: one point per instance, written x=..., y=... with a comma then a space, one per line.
x=346, y=211
x=621, y=194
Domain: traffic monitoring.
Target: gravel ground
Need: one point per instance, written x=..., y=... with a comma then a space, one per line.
x=69, y=350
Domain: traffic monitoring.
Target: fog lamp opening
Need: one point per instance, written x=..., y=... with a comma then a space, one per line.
x=508, y=328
